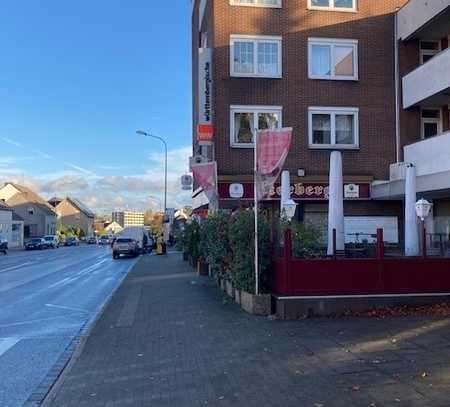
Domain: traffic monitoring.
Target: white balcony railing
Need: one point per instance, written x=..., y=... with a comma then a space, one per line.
x=416, y=14
x=427, y=80
x=430, y=156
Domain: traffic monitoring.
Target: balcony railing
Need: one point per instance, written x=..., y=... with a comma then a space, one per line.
x=430, y=156
x=416, y=14
x=428, y=80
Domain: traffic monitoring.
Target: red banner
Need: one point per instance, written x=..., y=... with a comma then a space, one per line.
x=205, y=175
x=272, y=150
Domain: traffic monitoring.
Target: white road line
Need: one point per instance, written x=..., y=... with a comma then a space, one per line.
x=67, y=308
x=6, y=344
x=16, y=267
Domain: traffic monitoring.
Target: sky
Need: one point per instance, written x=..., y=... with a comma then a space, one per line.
x=77, y=79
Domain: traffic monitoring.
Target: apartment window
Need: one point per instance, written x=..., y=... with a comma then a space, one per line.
x=331, y=127
x=428, y=49
x=333, y=59
x=255, y=56
x=245, y=119
x=257, y=3
x=431, y=120
x=332, y=5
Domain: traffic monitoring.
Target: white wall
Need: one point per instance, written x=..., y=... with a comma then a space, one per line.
x=427, y=80
x=417, y=13
x=431, y=156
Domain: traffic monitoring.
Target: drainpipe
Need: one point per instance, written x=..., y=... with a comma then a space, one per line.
x=397, y=90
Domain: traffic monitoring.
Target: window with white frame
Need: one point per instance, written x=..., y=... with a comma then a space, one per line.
x=244, y=120
x=333, y=59
x=332, y=5
x=255, y=56
x=257, y=3
x=332, y=127
x=428, y=49
x=431, y=120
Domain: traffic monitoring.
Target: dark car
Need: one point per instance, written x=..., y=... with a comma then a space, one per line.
x=91, y=240
x=37, y=243
x=71, y=241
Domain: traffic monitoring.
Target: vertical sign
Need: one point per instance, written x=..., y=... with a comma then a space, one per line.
x=205, y=130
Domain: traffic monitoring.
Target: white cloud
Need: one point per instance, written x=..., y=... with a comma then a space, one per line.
x=105, y=194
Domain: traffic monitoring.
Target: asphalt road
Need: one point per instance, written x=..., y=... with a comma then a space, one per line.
x=46, y=297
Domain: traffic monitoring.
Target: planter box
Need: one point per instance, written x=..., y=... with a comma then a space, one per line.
x=202, y=268
x=229, y=289
x=256, y=304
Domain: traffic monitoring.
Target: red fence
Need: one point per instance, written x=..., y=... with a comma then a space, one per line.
x=342, y=276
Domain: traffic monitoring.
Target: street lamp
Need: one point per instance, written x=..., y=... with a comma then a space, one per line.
x=288, y=209
x=143, y=133
x=423, y=209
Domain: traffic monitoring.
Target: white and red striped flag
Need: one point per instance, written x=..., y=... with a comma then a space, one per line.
x=205, y=176
x=272, y=149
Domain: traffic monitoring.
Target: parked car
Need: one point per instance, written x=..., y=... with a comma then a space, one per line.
x=36, y=243
x=104, y=240
x=71, y=241
x=125, y=246
x=92, y=240
x=3, y=245
x=52, y=241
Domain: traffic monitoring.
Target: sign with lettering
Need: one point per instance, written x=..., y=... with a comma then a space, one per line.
x=299, y=191
x=205, y=129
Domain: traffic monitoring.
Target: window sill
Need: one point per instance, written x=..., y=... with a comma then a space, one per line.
x=333, y=147
x=336, y=10
x=241, y=145
x=336, y=78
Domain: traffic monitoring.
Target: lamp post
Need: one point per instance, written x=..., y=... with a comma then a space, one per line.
x=143, y=133
x=423, y=208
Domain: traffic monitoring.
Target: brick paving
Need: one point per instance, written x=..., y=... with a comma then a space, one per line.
x=170, y=338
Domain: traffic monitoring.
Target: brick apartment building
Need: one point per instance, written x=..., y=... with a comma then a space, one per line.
x=334, y=71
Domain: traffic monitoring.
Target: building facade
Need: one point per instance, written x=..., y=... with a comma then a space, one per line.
x=423, y=138
x=326, y=68
x=38, y=216
x=128, y=218
x=73, y=213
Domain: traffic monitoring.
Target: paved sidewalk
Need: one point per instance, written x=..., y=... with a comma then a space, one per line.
x=169, y=338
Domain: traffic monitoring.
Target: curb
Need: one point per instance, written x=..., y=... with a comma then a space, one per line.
x=45, y=393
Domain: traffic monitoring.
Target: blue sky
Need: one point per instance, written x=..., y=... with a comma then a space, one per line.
x=77, y=80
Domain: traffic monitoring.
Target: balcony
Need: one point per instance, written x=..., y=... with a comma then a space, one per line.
x=430, y=156
x=429, y=84
x=423, y=18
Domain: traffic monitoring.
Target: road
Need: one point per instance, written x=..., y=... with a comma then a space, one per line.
x=46, y=297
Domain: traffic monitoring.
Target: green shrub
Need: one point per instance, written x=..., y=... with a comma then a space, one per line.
x=191, y=239
x=241, y=237
x=306, y=241
x=215, y=244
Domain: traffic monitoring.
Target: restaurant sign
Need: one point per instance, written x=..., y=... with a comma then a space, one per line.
x=299, y=191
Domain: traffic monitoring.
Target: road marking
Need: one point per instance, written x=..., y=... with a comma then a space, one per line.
x=16, y=267
x=6, y=344
x=67, y=308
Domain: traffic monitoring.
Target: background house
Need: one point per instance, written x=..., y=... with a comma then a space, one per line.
x=38, y=216
x=73, y=213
